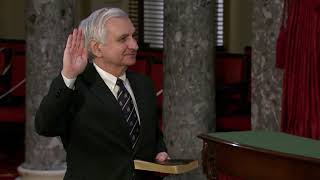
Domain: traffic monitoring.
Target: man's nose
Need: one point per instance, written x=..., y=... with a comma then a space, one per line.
x=133, y=44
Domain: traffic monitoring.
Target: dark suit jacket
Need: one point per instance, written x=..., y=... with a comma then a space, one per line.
x=94, y=134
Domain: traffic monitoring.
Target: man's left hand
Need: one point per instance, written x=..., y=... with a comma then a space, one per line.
x=162, y=156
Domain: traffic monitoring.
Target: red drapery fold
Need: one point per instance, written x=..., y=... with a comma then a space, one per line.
x=298, y=54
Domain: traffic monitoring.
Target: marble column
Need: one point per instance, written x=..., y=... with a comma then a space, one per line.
x=266, y=78
x=48, y=23
x=188, y=78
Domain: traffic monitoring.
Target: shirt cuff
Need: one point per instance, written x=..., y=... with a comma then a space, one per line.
x=69, y=82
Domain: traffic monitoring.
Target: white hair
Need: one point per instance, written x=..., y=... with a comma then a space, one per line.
x=93, y=27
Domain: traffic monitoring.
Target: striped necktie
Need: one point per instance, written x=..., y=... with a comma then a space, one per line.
x=128, y=111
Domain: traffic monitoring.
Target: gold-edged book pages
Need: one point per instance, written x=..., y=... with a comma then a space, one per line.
x=171, y=166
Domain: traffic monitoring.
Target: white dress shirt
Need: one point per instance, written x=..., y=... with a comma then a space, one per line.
x=110, y=80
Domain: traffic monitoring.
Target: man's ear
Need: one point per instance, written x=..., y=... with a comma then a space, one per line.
x=95, y=48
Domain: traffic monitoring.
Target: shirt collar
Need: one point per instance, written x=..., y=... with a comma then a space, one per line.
x=108, y=78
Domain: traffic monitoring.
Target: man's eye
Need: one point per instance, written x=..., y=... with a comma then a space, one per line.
x=122, y=39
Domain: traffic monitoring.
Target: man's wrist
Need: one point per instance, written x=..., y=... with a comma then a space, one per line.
x=68, y=74
x=69, y=82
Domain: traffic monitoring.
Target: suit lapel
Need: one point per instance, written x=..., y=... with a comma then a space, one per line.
x=138, y=92
x=98, y=87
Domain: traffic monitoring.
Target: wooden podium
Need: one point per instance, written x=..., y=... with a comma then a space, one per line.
x=255, y=155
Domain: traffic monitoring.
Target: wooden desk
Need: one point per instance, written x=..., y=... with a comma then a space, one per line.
x=261, y=156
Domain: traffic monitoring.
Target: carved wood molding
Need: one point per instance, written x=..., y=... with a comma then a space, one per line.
x=208, y=161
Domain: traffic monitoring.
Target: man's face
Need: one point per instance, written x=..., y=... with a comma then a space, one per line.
x=120, y=47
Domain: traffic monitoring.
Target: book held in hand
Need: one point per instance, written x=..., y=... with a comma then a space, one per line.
x=170, y=166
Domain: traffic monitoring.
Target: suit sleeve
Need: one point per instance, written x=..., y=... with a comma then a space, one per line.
x=161, y=146
x=54, y=111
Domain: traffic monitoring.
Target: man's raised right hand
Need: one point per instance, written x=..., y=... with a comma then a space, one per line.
x=75, y=57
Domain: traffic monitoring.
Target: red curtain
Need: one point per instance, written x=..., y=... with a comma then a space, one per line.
x=298, y=54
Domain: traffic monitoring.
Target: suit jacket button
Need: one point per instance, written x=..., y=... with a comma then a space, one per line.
x=58, y=93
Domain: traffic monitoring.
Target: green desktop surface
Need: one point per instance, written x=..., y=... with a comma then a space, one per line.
x=273, y=141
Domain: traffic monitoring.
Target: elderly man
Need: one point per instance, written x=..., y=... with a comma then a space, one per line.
x=105, y=116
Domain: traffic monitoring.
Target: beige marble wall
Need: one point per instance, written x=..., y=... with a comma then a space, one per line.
x=12, y=19
x=237, y=27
